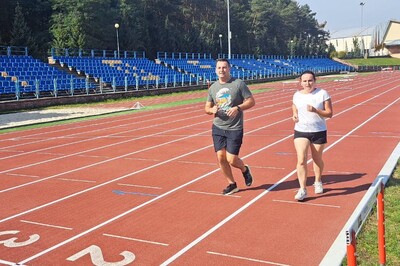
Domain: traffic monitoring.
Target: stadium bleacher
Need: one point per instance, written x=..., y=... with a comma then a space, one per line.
x=81, y=72
x=25, y=75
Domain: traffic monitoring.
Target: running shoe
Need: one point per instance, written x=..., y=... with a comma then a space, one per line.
x=248, y=178
x=301, y=194
x=318, y=189
x=230, y=189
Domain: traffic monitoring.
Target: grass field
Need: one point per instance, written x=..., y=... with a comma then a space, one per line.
x=382, y=61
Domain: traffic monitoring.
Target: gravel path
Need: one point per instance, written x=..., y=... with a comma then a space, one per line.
x=48, y=115
x=55, y=114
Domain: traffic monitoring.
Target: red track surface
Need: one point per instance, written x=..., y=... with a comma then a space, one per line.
x=144, y=188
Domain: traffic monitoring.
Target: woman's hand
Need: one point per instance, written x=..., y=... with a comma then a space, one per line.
x=311, y=108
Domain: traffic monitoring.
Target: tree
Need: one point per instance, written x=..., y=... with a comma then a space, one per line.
x=356, y=50
x=259, y=27
x=21, y=34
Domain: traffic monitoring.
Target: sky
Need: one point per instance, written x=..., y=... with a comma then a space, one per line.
x=346, y=14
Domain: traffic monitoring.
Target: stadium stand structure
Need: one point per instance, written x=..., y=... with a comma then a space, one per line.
x=76, y=72
x=28, y=77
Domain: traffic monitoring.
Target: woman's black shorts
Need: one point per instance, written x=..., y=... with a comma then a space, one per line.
x=314, y=137
x=229, y=139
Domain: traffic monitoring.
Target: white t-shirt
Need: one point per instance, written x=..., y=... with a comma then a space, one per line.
x=310, y=121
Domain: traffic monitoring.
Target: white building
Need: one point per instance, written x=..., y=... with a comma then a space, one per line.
x=391, y=39
x=377, y=40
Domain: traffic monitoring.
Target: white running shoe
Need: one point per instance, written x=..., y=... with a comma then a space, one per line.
x=301, y=194
x=318, y=189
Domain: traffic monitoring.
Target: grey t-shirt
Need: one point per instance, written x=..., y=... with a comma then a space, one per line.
x=226, y=96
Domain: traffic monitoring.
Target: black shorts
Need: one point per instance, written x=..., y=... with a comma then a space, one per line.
x=231, y=140
x=314, y=137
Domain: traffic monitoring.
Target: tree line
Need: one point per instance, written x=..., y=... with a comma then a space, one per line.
x=258, y=27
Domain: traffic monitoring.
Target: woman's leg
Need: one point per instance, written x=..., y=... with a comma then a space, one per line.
x=318, y=164
x=301, y=145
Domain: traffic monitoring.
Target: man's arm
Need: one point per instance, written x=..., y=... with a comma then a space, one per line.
x=246, y=104
x=210, y=108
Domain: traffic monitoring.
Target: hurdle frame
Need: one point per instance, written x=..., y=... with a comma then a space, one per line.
x=337, y=251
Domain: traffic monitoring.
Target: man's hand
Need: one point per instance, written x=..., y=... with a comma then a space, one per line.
x=232, y=112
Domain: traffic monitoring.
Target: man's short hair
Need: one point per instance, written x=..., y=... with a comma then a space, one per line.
x=223, y=60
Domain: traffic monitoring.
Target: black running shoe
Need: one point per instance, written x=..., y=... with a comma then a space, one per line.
x=232, y=188
x=248, y=178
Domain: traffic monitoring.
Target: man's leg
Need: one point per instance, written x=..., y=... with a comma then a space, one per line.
x=225, y=166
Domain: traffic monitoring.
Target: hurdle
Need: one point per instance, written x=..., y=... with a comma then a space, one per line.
x=137, y=106
x=345, y=77
x=388, y=71
x=375, y=194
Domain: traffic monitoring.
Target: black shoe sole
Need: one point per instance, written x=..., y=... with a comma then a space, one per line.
x=231, y=192
x=252, y=179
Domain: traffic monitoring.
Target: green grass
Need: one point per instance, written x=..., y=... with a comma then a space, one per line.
x=382, y=61
x=367, y=240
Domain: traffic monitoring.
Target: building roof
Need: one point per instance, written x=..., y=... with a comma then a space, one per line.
x=393, y=43
x=352, y=32
x=392, y=33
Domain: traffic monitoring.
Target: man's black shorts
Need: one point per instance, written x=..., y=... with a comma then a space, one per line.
x=314, y=137
x=229, y=139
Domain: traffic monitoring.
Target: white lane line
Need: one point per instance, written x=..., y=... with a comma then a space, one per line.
x=136, y=239
x=251, y=202
x=213, y=194
x=7, y=262
x=198, y=163
x=1, y=191
x=22, y=175
x=97, y=148
x=307, y=203
x=195, y=180
x=118, y=143
x=248, y=259
x=337, y=251
x=274, y=93
x=99, y=127
x=136, y=172
x=114, y=218
x=133, y=185
x=336, y=173
x=109, y=182
x=47, y=225
x=188, y=183
x=100, y=162
x=77, y=180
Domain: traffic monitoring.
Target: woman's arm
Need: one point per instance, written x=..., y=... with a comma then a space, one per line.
x=295, y=116
x=327, y=112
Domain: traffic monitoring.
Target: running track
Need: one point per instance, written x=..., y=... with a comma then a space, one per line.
x=144, y=188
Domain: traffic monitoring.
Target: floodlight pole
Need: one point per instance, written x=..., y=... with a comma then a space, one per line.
x=362, y=41
x=362, y=11
x=229, y=31
x=116, y=29
x=220, y=44
x=291, y=48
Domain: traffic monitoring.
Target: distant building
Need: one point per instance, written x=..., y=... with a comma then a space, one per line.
x=377, y=40
x=391, y=39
